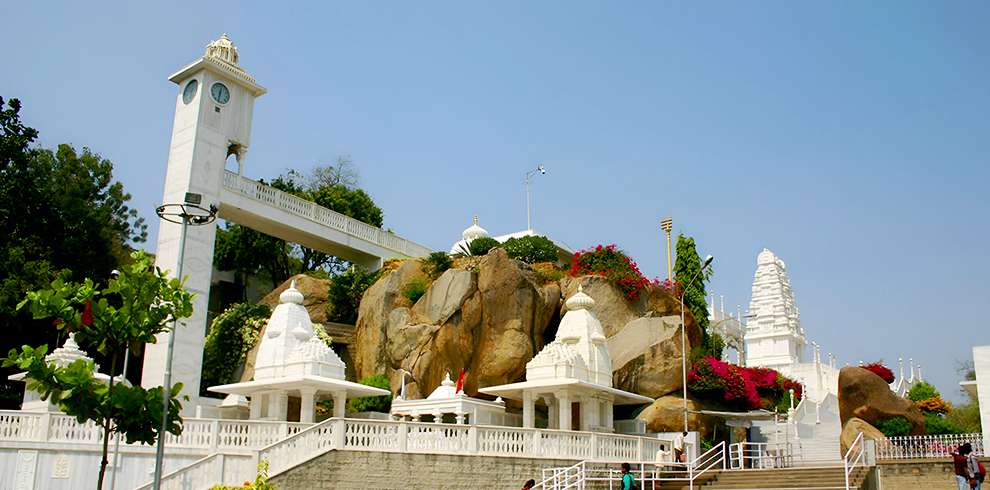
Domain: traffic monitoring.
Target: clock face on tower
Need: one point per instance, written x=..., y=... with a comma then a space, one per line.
x=190, y=91
x=220, y=93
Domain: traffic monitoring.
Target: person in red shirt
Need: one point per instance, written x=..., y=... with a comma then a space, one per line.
x=960, y=467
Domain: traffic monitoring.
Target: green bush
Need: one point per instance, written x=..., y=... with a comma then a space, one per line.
x=437, y=263
x=548, y=272
x=531, y=249
x=938, y=426
x=481, y=245
x=415, y=289
x=372, y=403
x=895, y=427
x=344, y=294
x=232, y=334
x=922, y=391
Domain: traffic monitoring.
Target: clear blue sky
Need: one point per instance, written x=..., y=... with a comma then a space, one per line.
x=850, y=138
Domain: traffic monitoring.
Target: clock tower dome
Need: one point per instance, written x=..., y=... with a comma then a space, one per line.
x=213, y=111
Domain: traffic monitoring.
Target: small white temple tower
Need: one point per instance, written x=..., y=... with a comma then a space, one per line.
x=213, y=111
x=573, y=375
x=774, y=337
x=294, y=362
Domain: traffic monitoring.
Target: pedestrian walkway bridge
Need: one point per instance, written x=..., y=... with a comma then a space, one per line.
x=282, y=215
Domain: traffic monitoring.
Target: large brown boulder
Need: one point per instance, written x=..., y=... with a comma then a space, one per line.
x=666, y=414
x=851, y=430
x=865, y=395
x=488, y=323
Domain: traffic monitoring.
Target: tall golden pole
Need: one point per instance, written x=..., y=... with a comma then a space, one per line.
x=667, y=224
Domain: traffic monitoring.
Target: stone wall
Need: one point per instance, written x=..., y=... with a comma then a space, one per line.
x=918, y=474
x=388, y=471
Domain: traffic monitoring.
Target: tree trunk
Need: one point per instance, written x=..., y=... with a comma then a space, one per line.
x=106, y=423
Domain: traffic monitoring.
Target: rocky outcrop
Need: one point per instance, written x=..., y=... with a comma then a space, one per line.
x=865, y=395
x=666, y=414
x=851, y=430
x=490, y=315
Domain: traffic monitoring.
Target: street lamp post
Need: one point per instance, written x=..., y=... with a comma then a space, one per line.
x=666, y=225
x=708, y=260
x=541, y=170
x=188, y=213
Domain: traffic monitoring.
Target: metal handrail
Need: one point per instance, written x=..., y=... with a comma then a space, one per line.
x=857, y=449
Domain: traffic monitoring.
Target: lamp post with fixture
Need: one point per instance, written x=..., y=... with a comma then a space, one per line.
x=541, y=170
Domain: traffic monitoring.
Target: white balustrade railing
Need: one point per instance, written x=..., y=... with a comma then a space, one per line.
x=309, y=210
x=923, y=447
x=214, y=469
x=206, y=434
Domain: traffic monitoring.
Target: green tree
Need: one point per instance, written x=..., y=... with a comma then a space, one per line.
x=232, y=334
x=345, y=291
x=249, y=252
x=531, y=249
x=922, y=391
x=130, y=311
x=372, y=403
x=63, y=217
x=687, y=264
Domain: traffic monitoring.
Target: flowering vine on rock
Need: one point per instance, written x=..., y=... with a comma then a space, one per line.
x=739, y=387
x=880, y=370
x=610, y=262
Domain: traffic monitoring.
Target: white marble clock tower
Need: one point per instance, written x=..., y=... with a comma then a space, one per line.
x=213, y=112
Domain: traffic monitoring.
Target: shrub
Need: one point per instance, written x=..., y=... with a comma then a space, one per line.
x=481, y=245
x=612, y=263
x=415, y=289
x=738, y=387
x=548, y=272
x=531, y=249
x=922, y=391
x=437, y=263
x=345, y=291
x=232, y=334
x=880, y=370
x=895, y=427
x=937, y=425
x=372, y=403
x=934, y=405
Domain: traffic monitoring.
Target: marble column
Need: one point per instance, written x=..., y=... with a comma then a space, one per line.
x=307, y=410
x=529, y=415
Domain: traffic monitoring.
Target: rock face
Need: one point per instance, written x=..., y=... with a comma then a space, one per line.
x=667, y=415
x=492, y=316
x=851, y=430
x=866, y=396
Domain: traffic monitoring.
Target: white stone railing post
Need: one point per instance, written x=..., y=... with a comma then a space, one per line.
x=639, y=450
x=537, y=440
x=403, y=430
x=214, y=435
x=339, y=433
x=46, y=422
x=283, y=430
x=473, y=439
x=595, y=452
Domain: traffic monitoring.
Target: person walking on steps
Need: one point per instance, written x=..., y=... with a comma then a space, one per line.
x=628, y=480
x=529, y=484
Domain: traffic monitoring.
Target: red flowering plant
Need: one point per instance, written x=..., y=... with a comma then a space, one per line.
x=880, y=370
x=612, y=263
x=738, y=387
x=672, y=288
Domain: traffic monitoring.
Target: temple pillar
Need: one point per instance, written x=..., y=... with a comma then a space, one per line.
x=565, y=410
x=529, y=410
x=307, y=410
x=553, y=412
x=339, y=403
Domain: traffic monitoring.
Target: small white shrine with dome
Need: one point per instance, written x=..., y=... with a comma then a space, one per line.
x=446, y=400
x=573, y=375
x=61, y=357
x=293, y=362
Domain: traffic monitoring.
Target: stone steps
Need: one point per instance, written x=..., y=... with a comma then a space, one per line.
x=809, y=478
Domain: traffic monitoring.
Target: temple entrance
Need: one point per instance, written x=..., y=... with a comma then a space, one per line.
x=576, y=416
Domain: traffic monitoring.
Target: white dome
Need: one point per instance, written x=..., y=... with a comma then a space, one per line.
x=291, y=295
x=474, y=231
x=580, y=301
x=447, y=389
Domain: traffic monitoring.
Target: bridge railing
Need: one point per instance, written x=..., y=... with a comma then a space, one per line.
x=313, y=212
x=922, y=447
